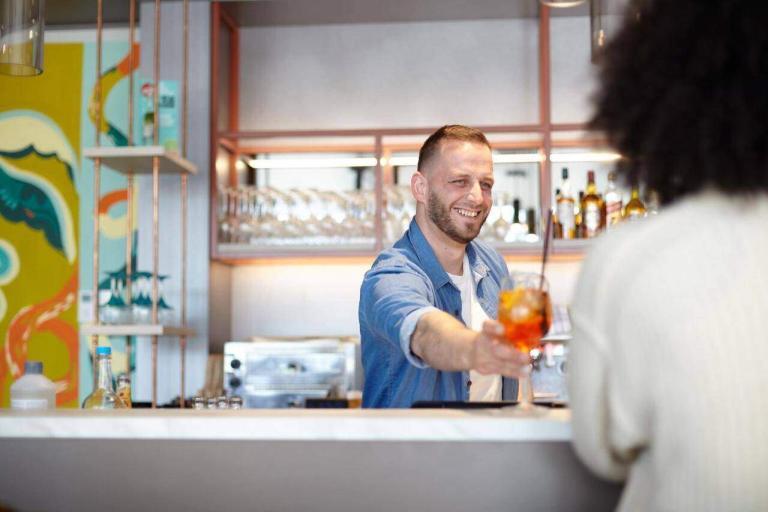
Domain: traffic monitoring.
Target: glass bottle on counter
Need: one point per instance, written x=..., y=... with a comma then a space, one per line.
x=635, y=208
x=592, y=209
x=104, y=396
x=613, y=202
x=566, y=215
x=33, y=390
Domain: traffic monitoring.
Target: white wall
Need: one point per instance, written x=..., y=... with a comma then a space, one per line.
x=391, y=75
x=321, y=300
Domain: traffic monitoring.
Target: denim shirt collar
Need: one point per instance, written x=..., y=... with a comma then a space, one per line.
x=430, y=263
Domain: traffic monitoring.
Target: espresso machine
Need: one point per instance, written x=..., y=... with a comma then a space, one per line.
x=287, y=372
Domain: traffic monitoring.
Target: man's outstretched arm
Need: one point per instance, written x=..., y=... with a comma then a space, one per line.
x=444, y=343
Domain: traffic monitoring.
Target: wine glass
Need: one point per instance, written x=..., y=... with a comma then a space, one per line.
x=525, y=311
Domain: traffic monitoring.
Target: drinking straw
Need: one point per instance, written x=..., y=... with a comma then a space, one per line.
x=545, y=255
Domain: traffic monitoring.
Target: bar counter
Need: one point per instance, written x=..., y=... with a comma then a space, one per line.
x=292, y=460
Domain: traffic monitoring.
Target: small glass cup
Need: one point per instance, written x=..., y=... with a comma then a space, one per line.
x=221, y=402
x=198, y=402
x=235, y=402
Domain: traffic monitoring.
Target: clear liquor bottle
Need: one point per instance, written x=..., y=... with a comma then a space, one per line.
x=592, y=209
x=104, y=396
x=613, y=202
x=635, y=208
x=566, y=214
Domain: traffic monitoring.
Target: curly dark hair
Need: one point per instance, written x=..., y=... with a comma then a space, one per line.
x=684, y=96
x=448, y=132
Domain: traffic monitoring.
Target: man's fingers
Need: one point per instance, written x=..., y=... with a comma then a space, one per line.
x=493, y=328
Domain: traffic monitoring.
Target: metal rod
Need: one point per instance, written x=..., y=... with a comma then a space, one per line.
x=129, y=197
x=155, y=197
x=214, y=130
x=366, y=132
x=379, y=194
x=545, y=181
x=97, y=187
x=184, y=194
x=154, y=372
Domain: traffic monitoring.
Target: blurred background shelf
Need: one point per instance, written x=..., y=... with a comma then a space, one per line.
x=138, y=159
x=135, y=330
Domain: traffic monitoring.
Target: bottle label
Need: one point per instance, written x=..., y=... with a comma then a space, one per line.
x=592, y=219
x=612, y=213
x=567, y=218
x=29, y=403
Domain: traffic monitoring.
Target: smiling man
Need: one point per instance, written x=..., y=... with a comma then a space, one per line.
x=426, y=303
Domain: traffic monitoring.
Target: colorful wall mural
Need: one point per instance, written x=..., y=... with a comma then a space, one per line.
x=46, y=205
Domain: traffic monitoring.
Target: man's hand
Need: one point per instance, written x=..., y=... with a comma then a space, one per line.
x=491, y=355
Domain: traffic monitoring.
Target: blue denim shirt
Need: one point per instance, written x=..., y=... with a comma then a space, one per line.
x=405, y=282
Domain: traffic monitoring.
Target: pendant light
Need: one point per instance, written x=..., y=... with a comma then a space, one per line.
x=21, y=37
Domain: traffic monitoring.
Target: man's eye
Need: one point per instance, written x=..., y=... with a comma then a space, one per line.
x=459, y=182
x=487, y=186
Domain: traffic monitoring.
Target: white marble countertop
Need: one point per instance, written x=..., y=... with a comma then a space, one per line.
x=292, y=424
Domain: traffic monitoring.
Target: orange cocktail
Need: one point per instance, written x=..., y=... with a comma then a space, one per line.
x=526, y=314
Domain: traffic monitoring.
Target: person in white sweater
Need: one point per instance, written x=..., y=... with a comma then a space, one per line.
x=668, y=368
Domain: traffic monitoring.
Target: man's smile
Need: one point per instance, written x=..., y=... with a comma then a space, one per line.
x=467, y=213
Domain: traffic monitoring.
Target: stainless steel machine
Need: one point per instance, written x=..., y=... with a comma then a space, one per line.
x=279, y=373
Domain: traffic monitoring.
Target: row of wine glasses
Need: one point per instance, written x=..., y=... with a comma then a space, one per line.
x=270, y=216
x=273, y=217
x=115, y=306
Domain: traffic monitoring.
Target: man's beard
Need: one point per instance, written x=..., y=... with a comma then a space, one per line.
x=441, y=216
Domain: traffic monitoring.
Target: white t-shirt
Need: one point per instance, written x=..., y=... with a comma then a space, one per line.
x=484, y=388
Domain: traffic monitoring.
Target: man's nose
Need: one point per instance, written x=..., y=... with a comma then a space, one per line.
x=475, y=193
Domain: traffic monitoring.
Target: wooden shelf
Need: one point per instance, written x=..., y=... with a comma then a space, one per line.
x=247, y=253
x=576, y=246
x=138, y=159
x=134, y=330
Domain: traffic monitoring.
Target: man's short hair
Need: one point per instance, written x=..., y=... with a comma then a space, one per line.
x=448, y=132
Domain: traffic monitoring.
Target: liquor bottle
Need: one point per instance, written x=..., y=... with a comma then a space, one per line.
x=124, y=389
x=592, y=209
x=530, y=220
x=517, y=230
x=634, y=209
x=33, y=390
x=565, y=208
x=557, y=228
x=104, y=396
x=613, y=202
x=577, y=216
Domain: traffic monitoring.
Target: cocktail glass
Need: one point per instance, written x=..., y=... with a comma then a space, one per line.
x=525, y=311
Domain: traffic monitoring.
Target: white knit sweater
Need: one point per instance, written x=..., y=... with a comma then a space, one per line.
x=668, y=369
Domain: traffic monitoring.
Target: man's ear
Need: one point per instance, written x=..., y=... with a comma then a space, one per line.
x=419, y=187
